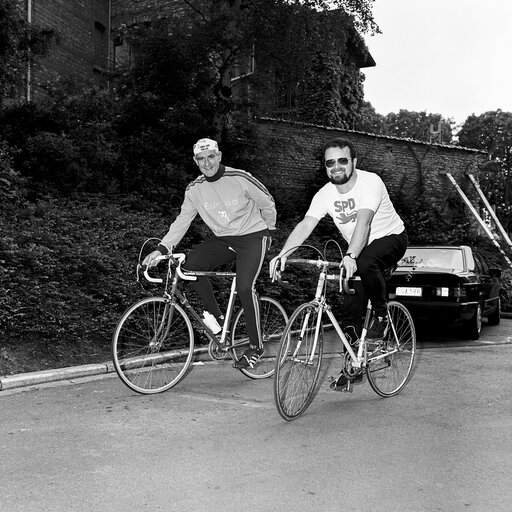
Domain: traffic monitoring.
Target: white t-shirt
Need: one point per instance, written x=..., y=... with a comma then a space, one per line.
x=369, y=192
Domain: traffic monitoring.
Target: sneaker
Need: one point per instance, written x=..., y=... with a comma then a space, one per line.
x=250, y=358
x=377, y=329
x=341, y=383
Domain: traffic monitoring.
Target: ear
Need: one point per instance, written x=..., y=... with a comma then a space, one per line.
x=220, y=156
x=195, y=161
x=355, y=162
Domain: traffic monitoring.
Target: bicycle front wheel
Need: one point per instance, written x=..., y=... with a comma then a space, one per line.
x=390, y=363
x=298, y=361
x=153, y=345
x=273, y=320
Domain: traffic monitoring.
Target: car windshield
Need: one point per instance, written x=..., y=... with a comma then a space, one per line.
x=429, y=257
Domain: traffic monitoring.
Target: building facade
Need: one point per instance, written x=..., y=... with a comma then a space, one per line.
x=81, y=50
x=90, y=48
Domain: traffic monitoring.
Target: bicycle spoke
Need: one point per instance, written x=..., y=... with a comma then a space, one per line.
x=273, y=320
x=152, y=345
x=298, y=363
x=388, y=375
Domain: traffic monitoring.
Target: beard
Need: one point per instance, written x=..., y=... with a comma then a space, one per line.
x=341, y=180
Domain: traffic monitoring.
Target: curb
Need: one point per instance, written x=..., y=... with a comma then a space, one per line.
x=72, y=372
x=75, y=372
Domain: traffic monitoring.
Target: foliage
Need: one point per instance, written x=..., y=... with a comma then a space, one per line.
x=20, y=42
x=406, y=124
x=492, y=132
x=96, y=141
x=12, y=185
x=369, y=120
x=67, y=273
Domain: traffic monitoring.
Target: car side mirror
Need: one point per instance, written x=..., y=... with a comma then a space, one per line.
x=495, y=272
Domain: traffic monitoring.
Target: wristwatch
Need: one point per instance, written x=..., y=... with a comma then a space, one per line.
x=351, y=255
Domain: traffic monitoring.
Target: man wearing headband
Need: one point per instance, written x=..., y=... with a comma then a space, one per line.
x=361, y=209
x=241, y=214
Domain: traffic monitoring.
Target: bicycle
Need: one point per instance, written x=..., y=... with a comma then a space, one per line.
x=153, y=342
x=388, y=363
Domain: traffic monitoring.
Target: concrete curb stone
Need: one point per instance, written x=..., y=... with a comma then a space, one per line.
x=88, y=370
x=72, y=372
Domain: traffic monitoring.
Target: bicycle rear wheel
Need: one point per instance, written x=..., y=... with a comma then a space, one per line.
x=153, y=345
x=273, y=320
x=298, y=362
x=389, y=374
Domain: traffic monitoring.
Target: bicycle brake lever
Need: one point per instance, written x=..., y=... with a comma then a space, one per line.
x=344, y=286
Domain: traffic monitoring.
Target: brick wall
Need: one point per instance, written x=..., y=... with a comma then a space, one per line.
x=74, y=56
x=286, y=156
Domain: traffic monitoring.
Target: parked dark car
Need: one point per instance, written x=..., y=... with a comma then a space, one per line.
x=450, y=283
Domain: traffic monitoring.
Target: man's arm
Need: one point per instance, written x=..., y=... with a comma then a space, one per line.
x=264, y=200
x=299, y=234
x=359, y=239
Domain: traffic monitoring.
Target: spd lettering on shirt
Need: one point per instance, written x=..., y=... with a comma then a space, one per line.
x=341, y=206
x=345, y=210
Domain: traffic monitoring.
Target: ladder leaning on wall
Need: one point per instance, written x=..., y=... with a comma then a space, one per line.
x=497, y=241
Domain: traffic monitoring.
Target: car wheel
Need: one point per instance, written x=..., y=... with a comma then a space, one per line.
x=495, y=317
x=473, y=327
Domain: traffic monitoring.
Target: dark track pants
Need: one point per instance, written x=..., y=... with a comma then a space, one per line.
x=376, y=257
x=249, y=253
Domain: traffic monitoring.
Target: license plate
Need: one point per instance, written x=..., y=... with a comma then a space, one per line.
x=408, y=291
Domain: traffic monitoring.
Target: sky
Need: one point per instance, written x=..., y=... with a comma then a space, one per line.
x=448, y=57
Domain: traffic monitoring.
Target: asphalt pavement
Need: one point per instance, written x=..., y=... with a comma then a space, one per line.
x=215, y=442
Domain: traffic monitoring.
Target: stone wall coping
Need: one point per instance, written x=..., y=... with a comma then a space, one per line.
x=372, y=135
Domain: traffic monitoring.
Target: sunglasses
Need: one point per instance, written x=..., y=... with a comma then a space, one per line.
x=332, y=162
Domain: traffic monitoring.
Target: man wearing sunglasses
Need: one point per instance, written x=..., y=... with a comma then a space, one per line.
x=241, y=214
x=359, y=204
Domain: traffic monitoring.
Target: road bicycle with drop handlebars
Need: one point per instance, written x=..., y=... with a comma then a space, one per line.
x=153, y=342
x=387, y=362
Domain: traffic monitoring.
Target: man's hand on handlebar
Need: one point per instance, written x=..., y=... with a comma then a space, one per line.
x=277, y=265
x=151, y=259
x=350, y=266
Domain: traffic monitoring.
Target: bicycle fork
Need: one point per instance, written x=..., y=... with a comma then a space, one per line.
x=305, y=327
x=163, y=328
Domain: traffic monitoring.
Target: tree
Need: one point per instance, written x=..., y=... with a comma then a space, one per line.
x=419, y=126
x=19, y=43
x=492, y=132
x=369, y=120
x=405, y=124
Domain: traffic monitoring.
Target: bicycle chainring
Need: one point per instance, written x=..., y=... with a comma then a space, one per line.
x=216, y=352
x=347, y=368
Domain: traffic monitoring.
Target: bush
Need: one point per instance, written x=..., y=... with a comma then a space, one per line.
x=12, y=185
x=68, y=269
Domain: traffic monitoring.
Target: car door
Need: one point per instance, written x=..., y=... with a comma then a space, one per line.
x=490, y=285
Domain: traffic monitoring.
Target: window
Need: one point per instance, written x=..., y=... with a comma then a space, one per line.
x=243, y=66
x=122, y=52
x=286, y=90
x=100, y=46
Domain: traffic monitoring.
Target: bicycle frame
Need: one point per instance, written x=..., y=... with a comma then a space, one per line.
x=175, y=295
x=361, y=358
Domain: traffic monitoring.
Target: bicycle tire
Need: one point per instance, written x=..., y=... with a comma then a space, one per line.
x=273, y=319
x=153, y=345
x=298, y=362
x=389, y=375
